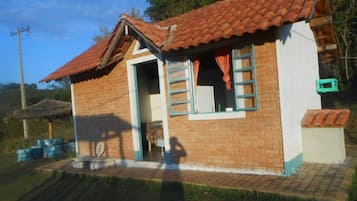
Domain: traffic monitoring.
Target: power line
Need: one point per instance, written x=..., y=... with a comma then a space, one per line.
x=22, y=85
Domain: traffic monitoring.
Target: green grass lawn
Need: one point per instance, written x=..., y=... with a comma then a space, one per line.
x=21, y=182
x=86, y=188
x=352, y=193
x=18, y=178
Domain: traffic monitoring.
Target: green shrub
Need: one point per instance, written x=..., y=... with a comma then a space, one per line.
x=352, y=192
x=13, y=139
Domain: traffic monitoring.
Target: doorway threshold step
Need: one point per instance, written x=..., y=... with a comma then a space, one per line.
x=92, y=163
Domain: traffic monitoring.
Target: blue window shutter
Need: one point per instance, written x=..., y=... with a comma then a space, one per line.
x=245, y=81
x=180, y=86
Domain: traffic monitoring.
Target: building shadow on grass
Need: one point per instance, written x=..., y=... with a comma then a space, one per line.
x=171, y=186
x=76, y=187
x=49, y=189
x=108, y=129
x=17, y=170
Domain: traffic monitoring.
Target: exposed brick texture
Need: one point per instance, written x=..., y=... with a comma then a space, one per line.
x=103, y=112
x=254, y=142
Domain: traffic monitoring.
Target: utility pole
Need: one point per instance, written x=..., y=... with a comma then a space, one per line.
x=22, y=85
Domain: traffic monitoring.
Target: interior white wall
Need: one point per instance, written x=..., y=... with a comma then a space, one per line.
x=156, y=107
x=144, y=96
x=297, y=71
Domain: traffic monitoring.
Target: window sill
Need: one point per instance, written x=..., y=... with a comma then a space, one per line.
x=217, y=115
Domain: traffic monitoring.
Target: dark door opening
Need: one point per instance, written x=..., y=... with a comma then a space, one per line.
x=150, y=105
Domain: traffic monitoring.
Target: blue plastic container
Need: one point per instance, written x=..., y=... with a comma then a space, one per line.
x=23, y=155
x=71, y=146
x=36, y=152
x=48, y=142
x=41, y=143
x=57, y=141
x=51, y=142
x=53, y=151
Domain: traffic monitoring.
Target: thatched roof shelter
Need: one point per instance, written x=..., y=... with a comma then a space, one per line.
x=48, y=109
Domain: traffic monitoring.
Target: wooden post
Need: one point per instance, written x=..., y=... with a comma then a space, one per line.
x=50, y=128
x=22, y=85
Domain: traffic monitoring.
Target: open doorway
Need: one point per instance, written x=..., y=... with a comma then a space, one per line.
x=150, y=111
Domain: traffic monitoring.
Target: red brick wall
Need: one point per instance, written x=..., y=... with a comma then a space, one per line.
x=103, y=112
x=254, y=142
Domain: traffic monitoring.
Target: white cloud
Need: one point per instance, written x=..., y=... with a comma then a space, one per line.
x=62, y=18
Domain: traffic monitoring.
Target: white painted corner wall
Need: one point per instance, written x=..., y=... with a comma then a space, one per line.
x=298, y=69
x=74, y=114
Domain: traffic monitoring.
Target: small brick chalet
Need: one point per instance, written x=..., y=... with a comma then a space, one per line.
x=220, y=88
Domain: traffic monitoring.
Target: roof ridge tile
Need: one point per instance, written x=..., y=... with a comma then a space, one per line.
x=238, y=16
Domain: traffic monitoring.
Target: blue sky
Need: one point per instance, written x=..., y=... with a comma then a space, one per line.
x=60, y=30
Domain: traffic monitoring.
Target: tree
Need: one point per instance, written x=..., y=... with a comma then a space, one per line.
x=162, y=9
x=345, y=22
x=135, y=13
x=61, y=90
x=10, y=100
x=104, y=33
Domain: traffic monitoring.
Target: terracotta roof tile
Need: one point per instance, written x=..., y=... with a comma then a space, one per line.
x=226, y=14
x=325, y=118
x=88, y=60
x=154, y=33
x=211, y=23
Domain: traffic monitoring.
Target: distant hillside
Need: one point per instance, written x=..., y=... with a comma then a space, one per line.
x=10, y=100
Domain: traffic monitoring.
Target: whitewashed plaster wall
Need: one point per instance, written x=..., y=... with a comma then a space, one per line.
x=297, y=71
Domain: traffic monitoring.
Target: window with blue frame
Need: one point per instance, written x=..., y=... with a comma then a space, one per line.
x=213, y=82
